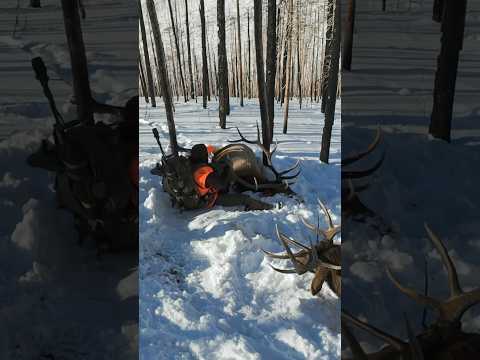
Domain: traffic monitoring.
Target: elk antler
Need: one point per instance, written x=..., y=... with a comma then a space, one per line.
x=256, y=186
x=281, y=176
x=355, y=347
x=357, y=174
x=407, y=350
x=452, y=309
x=396, y=343
x=311, y=259
x=332, y=230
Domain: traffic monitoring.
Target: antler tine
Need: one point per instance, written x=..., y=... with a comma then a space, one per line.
x=290, y=177
x=328, y=217
x=459, y=301
x=370, y=148
x=258, y=142
x=358, y=174
x=299, y=267
x=285, y=238
x=423, y=299
x=312, y=227
x=372, y=330
x=257, y=186
x=284, y=271
x=281, y=256
x=452, y=309
x=275, y=147
x=332, y=230
x=456, y=307
x=268, y=156
x=258, y=133
x=242, y=138
x=357, y=351
x=315, y=260
x=328, y=234
x=453, y=283
x=283, y=172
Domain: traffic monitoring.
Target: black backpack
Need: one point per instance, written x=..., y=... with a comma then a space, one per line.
x=178, y=182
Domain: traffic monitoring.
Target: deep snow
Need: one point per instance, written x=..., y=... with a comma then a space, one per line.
x=206, y=289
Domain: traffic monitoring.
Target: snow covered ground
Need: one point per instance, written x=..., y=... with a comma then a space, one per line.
x=56, y=299
x=206, y=289
x=421, y=180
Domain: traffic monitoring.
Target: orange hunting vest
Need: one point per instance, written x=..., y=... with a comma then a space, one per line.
x=211, y=149
x=200, y=177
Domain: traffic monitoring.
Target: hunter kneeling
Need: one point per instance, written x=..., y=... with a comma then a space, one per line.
x=213, y=181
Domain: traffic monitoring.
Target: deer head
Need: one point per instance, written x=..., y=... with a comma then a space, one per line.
x=443, y=339
x=322, y=258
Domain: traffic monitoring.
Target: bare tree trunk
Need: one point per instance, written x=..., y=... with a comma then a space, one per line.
x=331, y=98
x=76, y=46
x=192, y=90
x=148, y=68
x=312, y=83
x=453, y=29
x=215, y=72
x=287, y=88
x=299, y=70
x=289, y=68
x=438, y=7
x=82, y=9
x=156, y=80
x=205, y=81
x=271, y=63
x=249, y=57
x=348, y=41
x=182, y=50
x=239, y=30
x=162, y=73
x=327, y=58
x=179, y=60
x=212, y=74
x=143, y=82
x=197, y=81
x=258, y=33
x=279, y=51
x=35, y=4
x=234, y=61
x=223, y=92
x=384, y=5
x=175, y=79
x=285, y=61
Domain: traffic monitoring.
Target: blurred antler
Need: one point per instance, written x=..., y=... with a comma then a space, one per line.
x=357, y=174
x=452, y=309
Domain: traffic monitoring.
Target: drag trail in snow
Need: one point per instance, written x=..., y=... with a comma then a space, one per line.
x=206, y=289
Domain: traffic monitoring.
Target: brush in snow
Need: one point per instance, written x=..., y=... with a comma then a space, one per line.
x=444, y=339
x=322, y=258
x=93, y=173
